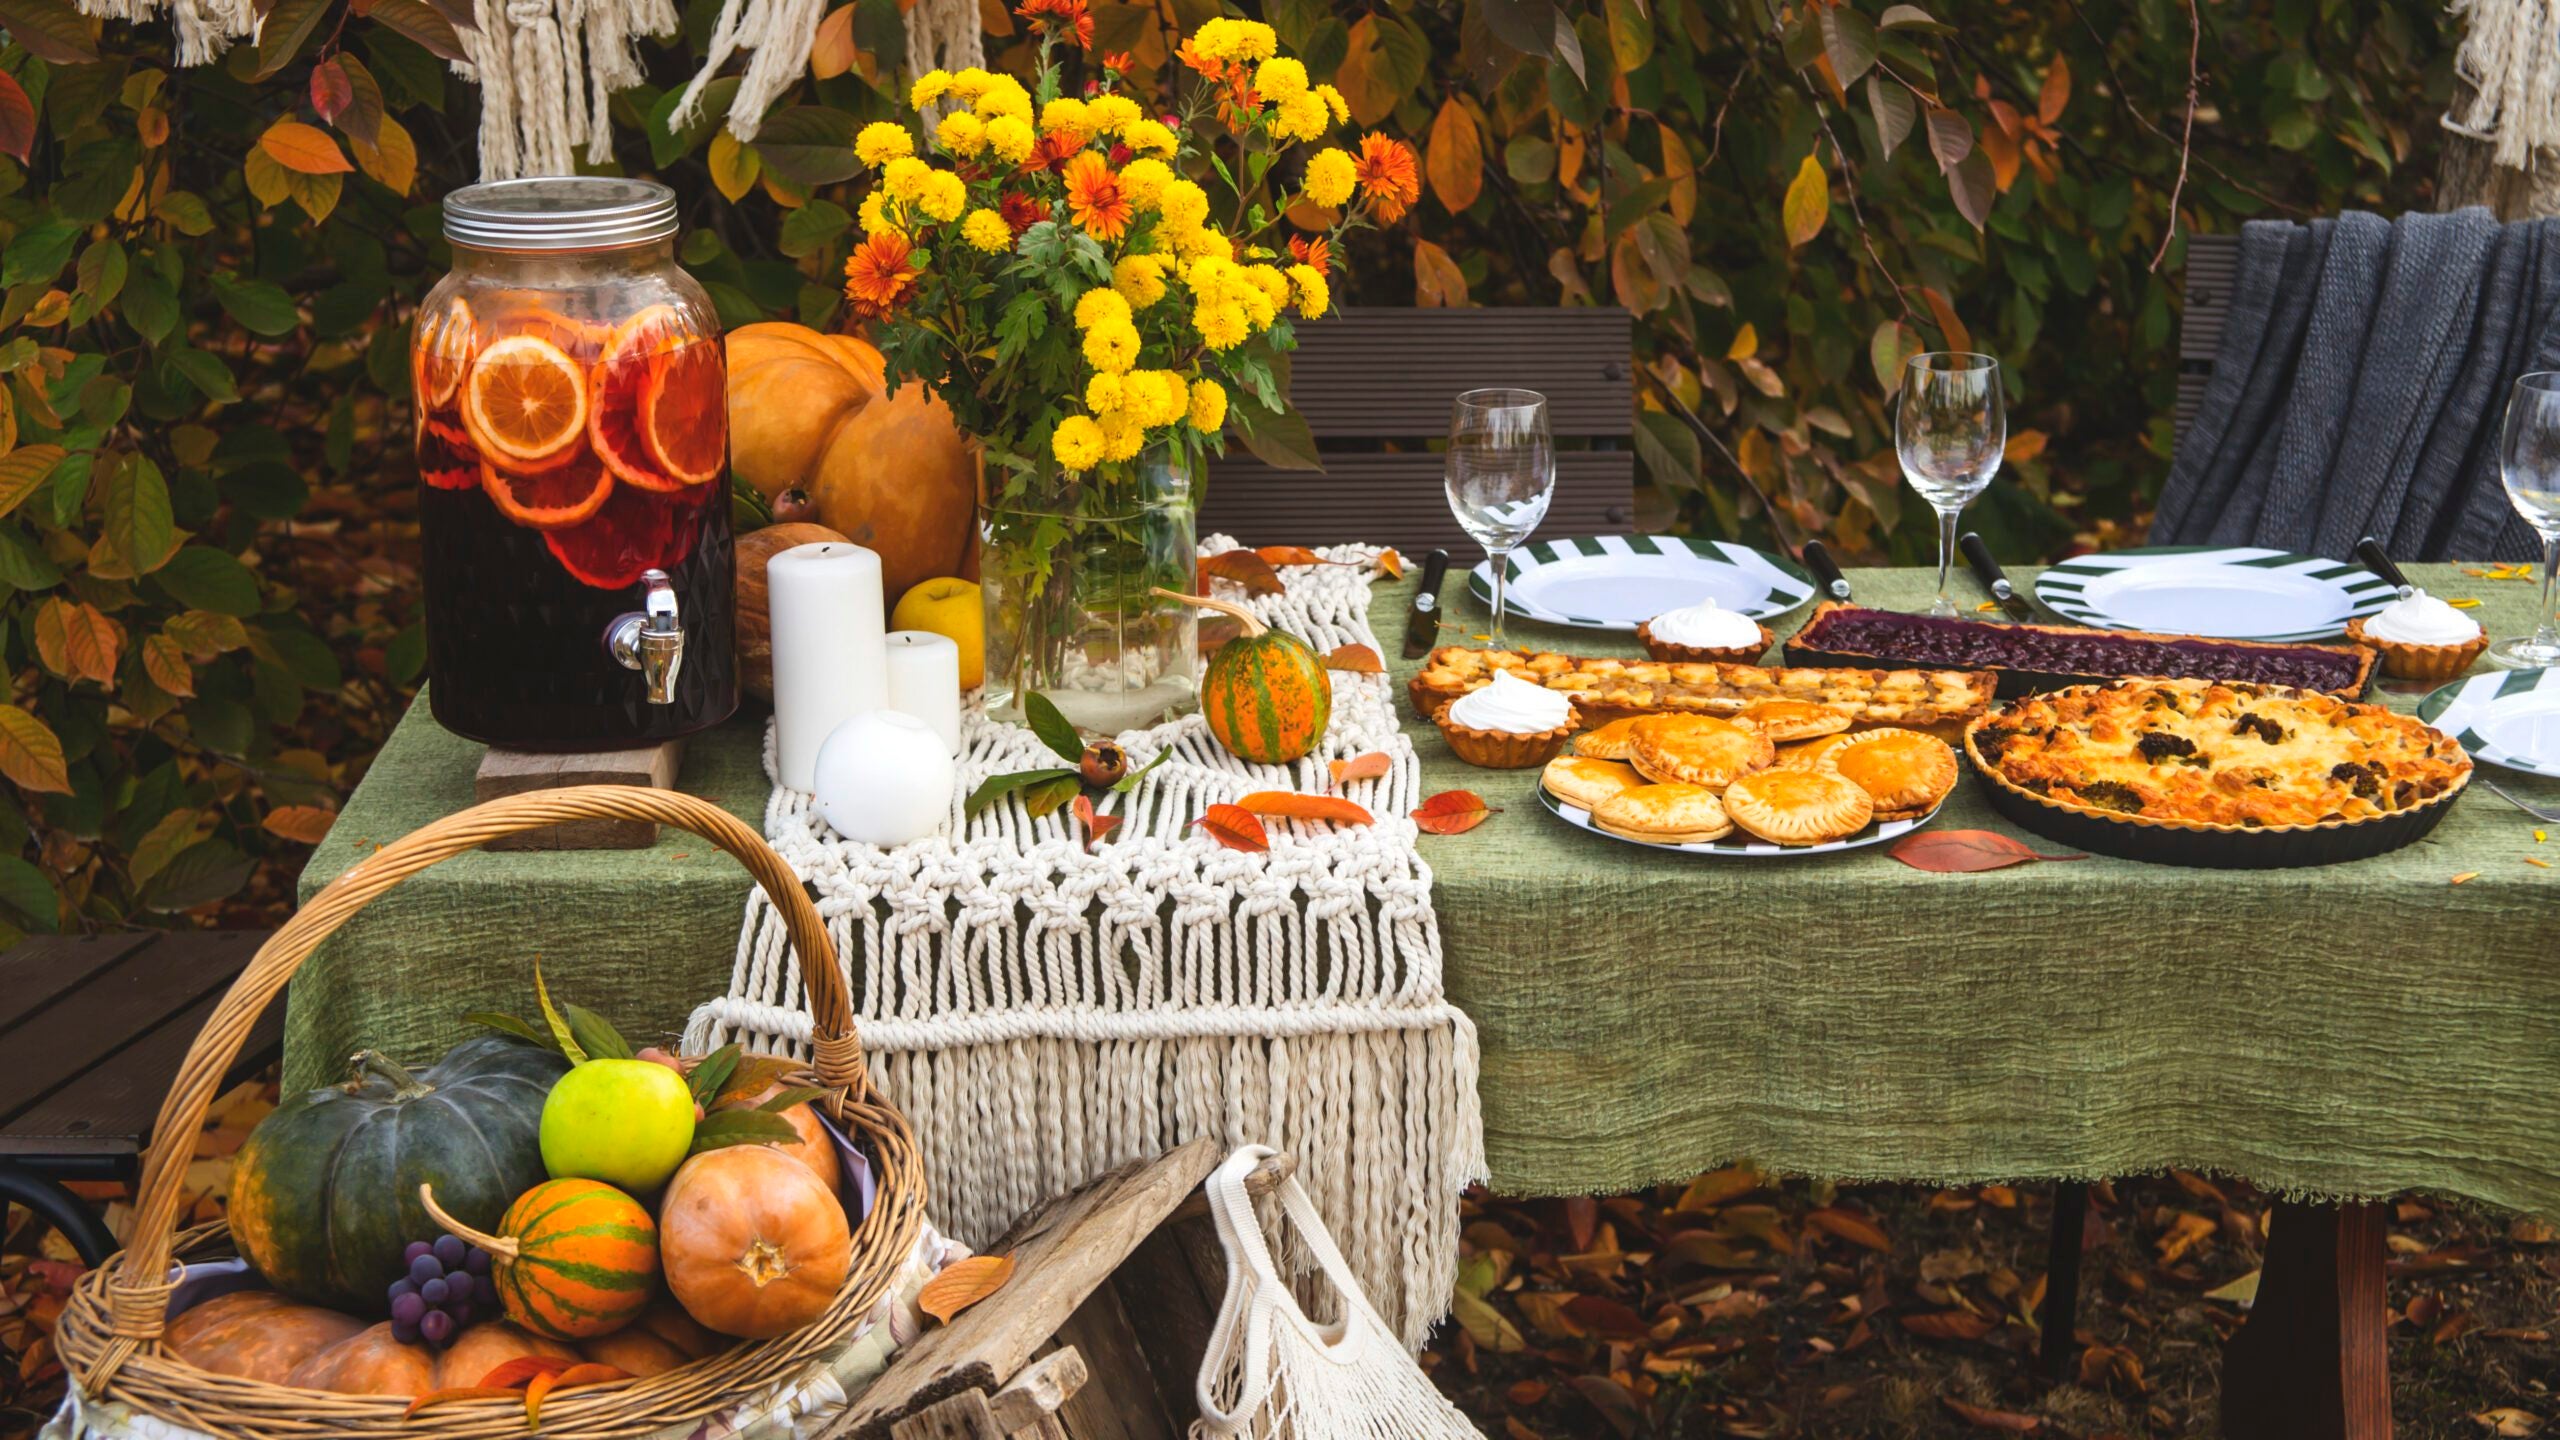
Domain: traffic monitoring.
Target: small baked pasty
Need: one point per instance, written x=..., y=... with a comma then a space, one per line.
x=1785, y=720
x=1612, y=741
x=1808, y=756
x=1903, y=771
x=1798, y=807
x=1697, y=750
x=1579, y=780
x=1673, y=814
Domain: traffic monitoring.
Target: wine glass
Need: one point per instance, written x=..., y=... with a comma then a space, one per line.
x=2529, y=461
x=1501, y=472
x=1949, y=425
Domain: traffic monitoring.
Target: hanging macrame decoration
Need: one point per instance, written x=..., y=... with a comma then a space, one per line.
x=2511, y=56
x=205, y=28
x=941, y=35
x=547, y=70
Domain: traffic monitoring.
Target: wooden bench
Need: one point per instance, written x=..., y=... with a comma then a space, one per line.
x=96, y=1027
x=1375, y=387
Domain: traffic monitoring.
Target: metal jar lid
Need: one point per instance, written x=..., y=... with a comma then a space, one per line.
x=560, y=212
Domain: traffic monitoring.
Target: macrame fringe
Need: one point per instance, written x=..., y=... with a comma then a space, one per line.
x=2511, y=56
x=547, y=70
x=205, y=28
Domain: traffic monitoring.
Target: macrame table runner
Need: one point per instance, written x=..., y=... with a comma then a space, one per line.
x=1042, y=1014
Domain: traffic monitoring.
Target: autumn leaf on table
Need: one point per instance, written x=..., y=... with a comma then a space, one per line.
x=963, y=1283
x=1392, y=564
x=1289, y=805
x=1452, y=812
x=1946, y=852
x=1235, y=827
x=1289, y=555
x=1354, y=659
x=1095, y=826
x=1046, y=790
x=1245, y=568
x=1370, y=766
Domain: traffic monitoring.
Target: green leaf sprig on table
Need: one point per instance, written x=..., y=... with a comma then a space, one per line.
x=1101, y=766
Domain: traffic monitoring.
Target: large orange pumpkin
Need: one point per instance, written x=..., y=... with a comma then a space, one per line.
x=753, y=1245
x=889, y=472
x=255, y=1334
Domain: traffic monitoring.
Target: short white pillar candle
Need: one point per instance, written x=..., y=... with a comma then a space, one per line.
x=830, y=660
x=885, y=778
x=924, y=681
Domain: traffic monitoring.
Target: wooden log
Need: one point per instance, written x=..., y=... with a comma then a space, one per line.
x=2468, y=173
x=1026, y=1409
x=513, y=772
x=2313, y=1360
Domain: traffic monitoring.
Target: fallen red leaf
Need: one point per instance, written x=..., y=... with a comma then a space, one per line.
x=963, y=1283
x=2009, y=1420
x=1234, y=827
x=1289, y=555
x=1944, y=852
x=1361, y=767
x=1452, y=812
x=542, y=1385
x=1948, y=1325
x=1392, y=563
x=1243, y=567
x=1356, y=659
x=1851, y=1226
x=1097, y=827
x=1290, y=805
x=1604, y=1316
x=515, y=1374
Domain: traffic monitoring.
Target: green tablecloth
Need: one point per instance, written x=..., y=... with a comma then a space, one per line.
x=2349, y=1030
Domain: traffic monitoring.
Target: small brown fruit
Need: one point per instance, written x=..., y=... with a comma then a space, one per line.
x=1104, y=763
x=793, y=507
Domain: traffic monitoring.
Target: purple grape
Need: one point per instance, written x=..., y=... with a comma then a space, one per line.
x=461, y=1314
x=416, y=1249
x=408, y=1310
x=437, y=1327
x=458, y=1288
x=424, y=1269
x=402, y=1287
x=449, y=1249
x=435, y=1292
x=477, y=1262
x=405, y=1334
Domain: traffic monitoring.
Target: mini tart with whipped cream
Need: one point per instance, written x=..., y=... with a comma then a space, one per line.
x=1510, y=724
x=1705, y=633
x=2420, y=638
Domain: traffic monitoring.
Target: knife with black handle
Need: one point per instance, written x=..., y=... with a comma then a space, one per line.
x=1422, y=624
x=1826, y=571
x=1985, y=568
x=2369, y=552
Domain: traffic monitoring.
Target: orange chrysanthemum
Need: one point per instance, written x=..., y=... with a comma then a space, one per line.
x=1051, y=152
x=1020, y=211
x=1074, y=17
x=1315, y=253
x=877, y=277
x=1094, y=195
x=1389, y=175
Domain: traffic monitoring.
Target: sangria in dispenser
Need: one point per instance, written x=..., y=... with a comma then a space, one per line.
x=572, y=431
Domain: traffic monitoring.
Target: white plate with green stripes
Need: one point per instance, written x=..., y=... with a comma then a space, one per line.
x=1617, y=582
x=2506, y=717
x=2232, y=592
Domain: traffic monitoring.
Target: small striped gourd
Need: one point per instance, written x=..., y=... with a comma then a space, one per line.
x=572, y=1259
x=1265, y=696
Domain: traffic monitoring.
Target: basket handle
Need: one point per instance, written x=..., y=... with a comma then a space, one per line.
x=138, y=1295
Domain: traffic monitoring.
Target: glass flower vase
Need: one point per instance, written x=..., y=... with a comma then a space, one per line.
x=1070, y=567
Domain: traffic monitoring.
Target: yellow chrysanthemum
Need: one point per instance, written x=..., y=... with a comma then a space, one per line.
x=1140, y=279
x=1143, y=181
x=1315, y=293
x=961, y=133
x=1201, y=241
x=1208, y=406
x=1175, y=397
x=1113, y=347
x=1330, y=178
x=1334, y=102
x=1268, y=279
x=876, y=218
x=971, y=83
x=945, y=196
x=1009, y=137
x=1280, y=77
x=1225, y=39
x=1111, y=114
x=1221, y=327
x=1077, y=443
x=1186, y=205
x=932, y=85
x=1101, y=306
x=986, y=231
x=1300, y=117
x=881, y=142
x=1103, y=394
x=1005, y=97
x=905, y=179
x=1122, y=437
x=1152, y=137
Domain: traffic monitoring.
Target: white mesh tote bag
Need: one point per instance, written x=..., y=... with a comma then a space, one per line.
x=1273, y=1374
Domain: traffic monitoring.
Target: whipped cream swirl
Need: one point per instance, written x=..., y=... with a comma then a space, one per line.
x=2422, y=619
x=1511, y=706
x=1705, y=625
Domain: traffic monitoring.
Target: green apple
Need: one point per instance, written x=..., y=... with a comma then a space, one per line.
x=627, y=1123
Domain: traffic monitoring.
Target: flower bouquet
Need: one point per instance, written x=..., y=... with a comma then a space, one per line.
x=1097, y=318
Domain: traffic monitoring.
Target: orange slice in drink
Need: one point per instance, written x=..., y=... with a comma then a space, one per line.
x=446, y=457
x=684, y=412
x=617, y=386
x=525, y=399
x=552, y=496
x=440, y=351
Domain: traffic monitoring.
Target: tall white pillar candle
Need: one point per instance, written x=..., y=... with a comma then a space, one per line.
x=830, y=662
x=924, y=681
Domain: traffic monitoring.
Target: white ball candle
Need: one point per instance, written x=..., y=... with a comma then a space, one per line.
x=830, y=660
x=885, y=778
x=924, y=681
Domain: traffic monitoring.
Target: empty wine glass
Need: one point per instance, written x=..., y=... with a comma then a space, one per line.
x=1949, y=425
x=2529, y=461
x=1501, y=471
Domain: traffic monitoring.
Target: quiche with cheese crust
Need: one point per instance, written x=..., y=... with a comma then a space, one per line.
x=1609, y=689
x=2210, y=755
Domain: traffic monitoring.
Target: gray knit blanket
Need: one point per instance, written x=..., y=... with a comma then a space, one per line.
x=2361, y=386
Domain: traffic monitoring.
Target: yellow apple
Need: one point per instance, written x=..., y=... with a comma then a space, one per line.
x=949, y=606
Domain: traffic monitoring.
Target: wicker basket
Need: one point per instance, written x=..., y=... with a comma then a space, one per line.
x=110, y=1331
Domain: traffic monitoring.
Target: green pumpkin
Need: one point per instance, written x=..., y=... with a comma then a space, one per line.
x=324, y=1196
x=1266, y=696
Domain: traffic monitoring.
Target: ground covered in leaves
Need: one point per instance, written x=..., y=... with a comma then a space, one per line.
x=1736, y=1306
